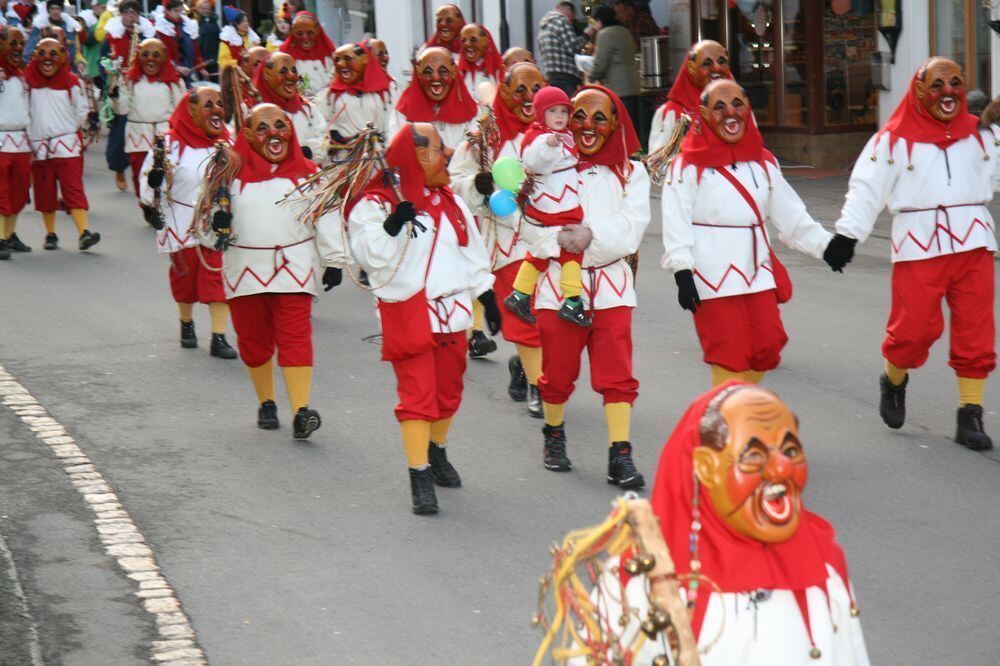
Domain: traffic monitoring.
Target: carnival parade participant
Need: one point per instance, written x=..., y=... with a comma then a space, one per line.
x=47, y=22
x=282, y=28
x=313, y=50
x=58, y=107
x=15, y=147
x=516, y=54
x=359, y=94
x=179, y=34
x=479, y=61
x=270, y=271
x=514, y=111
x=614, y=195
x=707, y=61
x=436, y=95
x=236, y=38
x=935, y=169
x=277, y=81
x=448, y=24
x=420, y=245
x=169, y=194
x=147, y=95
x=381, y=53
x=718, y=193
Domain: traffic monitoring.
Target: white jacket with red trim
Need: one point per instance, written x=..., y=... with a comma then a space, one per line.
x=452, y=134
x=349, y=113
x=319, y=73
x=662, y=126
x=473, y=79
x=56, y=117
x=148, y=105
x=617, y=216
x=937, y=198
x=14, y=117
x=556, y=182
x=710, y=229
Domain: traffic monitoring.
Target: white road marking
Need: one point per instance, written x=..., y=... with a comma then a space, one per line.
x=176, y=644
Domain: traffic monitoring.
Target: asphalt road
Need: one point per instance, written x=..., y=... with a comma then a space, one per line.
x=287, y=552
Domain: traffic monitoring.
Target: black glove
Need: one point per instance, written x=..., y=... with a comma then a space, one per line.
x=404, y=212
x=491, y=311
x=152, y=217
x=307, y=151
x=93, y=120
x=337, y=137
x=484, y=183
x=839, y=252
x=687, y=293
x=155, y=178
x=113, y=93
x=331, y=278
x=222, y=221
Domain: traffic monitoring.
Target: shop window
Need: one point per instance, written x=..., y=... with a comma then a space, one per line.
x=959, y=31
x=848, y=44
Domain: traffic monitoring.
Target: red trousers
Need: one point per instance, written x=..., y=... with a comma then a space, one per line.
x=267, y=321
x=742, y=332
x=190, y=281
x=429, y=385
x=514, y=329
x=965, y=280
x=15, y=181
x=542, y=265
x=609, y=346
x=55, y=177
x=136, y=160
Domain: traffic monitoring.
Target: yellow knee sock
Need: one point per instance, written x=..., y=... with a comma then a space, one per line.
x=50, y=222
x=478, y=316
x=753, y=376
x=618, y=416
x=79, y=216
x=8, y=225
x=439, y=431
x=263, y=380
x=185, y=310
x=896, y=375
x=569, y=280
x=527, y=276
x=416, y=438
x=298, y=383
x=220, y=316
x=554, y=414
x=970, y=391
x=531, y=361
x=721, y=375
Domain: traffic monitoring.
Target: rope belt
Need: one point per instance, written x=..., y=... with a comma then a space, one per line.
x=593, y=281
x=938, y=212
x=751, y=227
x=279, y=250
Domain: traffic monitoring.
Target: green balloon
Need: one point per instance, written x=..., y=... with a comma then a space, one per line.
x=508, y=174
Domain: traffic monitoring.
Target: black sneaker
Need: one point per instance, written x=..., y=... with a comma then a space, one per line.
x=16, y=245
x=520, y=305
x=51, y=242
x=892, y=404
x=480, y=345
x=444, y=473
x=188, y=338
x=518, y=387
x=621, y=467
x=306, y=422
x=425, y=501
x=573, y=312
x=88, y=240
x=4, y=250
x=970, y=432
x=220, y=346
x=555, y=449
x=535, y=403
x=267, y=415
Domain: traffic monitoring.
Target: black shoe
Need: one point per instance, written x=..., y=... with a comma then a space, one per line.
x=892, y=405
x=535, y=403
x=444, y=473
x=88, y=240
x=4, y=250
x=51, y=242
x=520, y=305
x=306, y=422
x=573, y=312
x=621, y=467
x=16, y=245
x=480, y=345
x=220, y=347
x=188, y=338
x=363, y=278
x=422, y=491
x=970, y=432
x=267, y=415
x=555, y=449
x=518, y=387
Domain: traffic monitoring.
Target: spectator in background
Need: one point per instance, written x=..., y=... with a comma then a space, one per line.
x=637, y=21
x=557, y=44
x=614, y=60
x=208, y=35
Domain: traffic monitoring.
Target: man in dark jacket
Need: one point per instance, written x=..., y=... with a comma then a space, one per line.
x=208, y=36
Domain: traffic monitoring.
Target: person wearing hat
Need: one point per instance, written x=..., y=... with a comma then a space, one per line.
x=15, y=146
x=313, y=51
x=236, y=38
x=359, y=94
x=479, y=60
x=277, y=81
x=448, y=25
x=53, y=18
x=180, y=35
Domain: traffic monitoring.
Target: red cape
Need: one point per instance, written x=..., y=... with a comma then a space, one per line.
x=64, y=79
x=323, y=48
x=375, y=80
x=458, y=107
x=509, y=122
x=455, y=45
x=684, y=95
x=492, y=63
x=912, y=123
x=183, y=129
x=620, y=145
x=255, y=169
x=268, y=96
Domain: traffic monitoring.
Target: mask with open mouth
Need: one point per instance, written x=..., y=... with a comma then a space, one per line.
x=305, y=32
x=593, y=120
x=11, y=46
x=152, y=54
x=941, y=89
x=350, y=61
x=474, y=42
x=708, y=61
x=255, y=55
x=726, y=110
x=518, y=89
x=448, y=23
x=207, y=114
x=282, y=75
x=269, y=132
x=436, y=73
x=51, y=57
x=380, y=51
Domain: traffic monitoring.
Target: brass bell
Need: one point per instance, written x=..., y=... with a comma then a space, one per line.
x=632, y=566
x=646, y=562
x=815, y=653
x=649, y=629
x=659, y=617
x=855, y=611
x=661, y=660
x=623, y=620
x=536, y=619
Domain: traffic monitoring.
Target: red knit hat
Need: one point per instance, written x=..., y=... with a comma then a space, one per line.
x=548, y=97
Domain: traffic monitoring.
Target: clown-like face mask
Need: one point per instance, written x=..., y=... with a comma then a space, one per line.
x=707, y=62
x=726, y=110
x=11, y=46
x=281, y=75
x=152, y=55
x=941, y=90
x=380, y=51
x=474, y=42
x=593, y=120
x=350, y=61
x=436, y=73
x=516, y=54
x=305, y=32
x=518, y=90
x=448, y=22
x=433, y=155
x=254, y=57
x=51, y=56
x=54, y=32
x=269, y=132
x=205, y=107
x=752, y=464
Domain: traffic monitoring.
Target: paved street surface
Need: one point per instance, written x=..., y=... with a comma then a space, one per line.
x=285, y=552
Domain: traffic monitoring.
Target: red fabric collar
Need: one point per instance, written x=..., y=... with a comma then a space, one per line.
x=537, y=129
x=255, y=169
x=912, y=123
x=491, y=64
x=11, y=71
x=734, y=562
x=374, y=80
x=455, y=45
x=508, y=122
x=268, y=96
x=703, y=149
x=623, y=143
x=323, y=48
x=63, y=80
x=168, y=73
x=685, y=95
x=185, y=132
x=458, y=107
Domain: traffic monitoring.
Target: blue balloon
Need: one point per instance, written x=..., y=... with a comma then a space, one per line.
x=503, y=203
